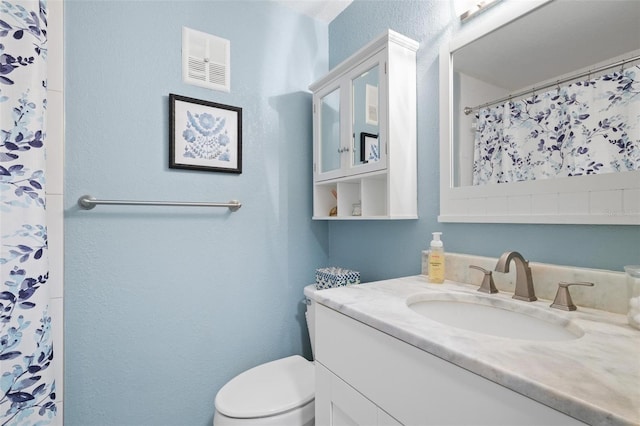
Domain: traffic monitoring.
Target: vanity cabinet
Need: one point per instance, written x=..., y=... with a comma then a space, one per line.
x=364, y=134
x=367, y=377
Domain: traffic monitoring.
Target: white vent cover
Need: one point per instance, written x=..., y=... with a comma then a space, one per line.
x=206, y=60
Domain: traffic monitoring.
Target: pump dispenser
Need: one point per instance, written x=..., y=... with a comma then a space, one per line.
x=436, y=259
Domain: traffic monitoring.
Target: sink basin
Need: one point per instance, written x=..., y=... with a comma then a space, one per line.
x=494, y=316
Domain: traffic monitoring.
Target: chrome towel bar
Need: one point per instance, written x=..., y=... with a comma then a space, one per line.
x=87, y=202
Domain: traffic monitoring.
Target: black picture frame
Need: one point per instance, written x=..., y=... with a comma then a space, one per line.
x=205, y=136
x=365, y=139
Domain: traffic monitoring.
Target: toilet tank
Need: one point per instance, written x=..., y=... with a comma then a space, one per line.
x=310, y=314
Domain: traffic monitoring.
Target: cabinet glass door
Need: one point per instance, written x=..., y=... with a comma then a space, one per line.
x=368, y=116
x=366, y=108
x=330, y=149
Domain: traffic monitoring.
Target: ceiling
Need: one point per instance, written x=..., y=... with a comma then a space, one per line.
x=323, y=10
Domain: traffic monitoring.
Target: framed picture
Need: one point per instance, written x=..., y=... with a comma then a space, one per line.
x=204, y=135
x=369, y=147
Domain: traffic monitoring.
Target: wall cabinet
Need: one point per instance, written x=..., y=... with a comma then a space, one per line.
x=364, y=134
x=366, y=377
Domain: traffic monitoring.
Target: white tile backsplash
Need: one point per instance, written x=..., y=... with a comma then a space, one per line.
x=608, y=293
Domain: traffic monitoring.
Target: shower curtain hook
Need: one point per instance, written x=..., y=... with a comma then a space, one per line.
x=558, y=85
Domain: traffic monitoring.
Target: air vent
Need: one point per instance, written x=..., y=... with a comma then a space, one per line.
x=206, y=60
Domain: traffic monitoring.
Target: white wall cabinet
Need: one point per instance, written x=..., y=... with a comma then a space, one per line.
x=364, y=133
x=366, y=377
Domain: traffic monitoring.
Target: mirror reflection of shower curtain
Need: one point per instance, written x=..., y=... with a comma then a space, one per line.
x=27, y=386
x=587, y=127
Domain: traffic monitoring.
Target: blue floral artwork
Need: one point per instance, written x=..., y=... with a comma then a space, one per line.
x=27, y=387
x=205, y=135
x=588, y=127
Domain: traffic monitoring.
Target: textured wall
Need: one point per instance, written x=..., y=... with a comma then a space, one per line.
x=164, y=305
x=390, y=249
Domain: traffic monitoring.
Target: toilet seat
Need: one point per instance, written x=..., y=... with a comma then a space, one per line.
x=268, y=389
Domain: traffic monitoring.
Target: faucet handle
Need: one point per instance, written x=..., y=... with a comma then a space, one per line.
x=487, y=285
x=563, y=298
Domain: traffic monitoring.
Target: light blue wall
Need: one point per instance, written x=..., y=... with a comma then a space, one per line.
x=390, y=249
x=164, y=305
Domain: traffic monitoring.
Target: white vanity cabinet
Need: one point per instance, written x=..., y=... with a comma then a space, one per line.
x=366, y=377
x=364, y=134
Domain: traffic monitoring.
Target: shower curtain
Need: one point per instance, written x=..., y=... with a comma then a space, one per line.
x=27, y=387
x=588, y=127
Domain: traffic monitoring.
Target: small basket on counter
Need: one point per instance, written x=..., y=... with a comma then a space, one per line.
x=335, y=277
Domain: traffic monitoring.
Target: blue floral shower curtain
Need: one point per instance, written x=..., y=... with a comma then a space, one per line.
x=588, y=127
x=27, y=387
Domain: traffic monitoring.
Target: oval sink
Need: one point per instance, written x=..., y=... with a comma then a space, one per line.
x=495, y=317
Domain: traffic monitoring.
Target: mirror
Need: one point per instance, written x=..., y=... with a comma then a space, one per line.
x=365, y=117
x=330, y=132
x=519, y=47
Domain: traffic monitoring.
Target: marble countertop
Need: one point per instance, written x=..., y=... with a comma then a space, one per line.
x=594, y=378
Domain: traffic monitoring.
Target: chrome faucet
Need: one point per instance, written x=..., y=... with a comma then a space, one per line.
x=524, y=282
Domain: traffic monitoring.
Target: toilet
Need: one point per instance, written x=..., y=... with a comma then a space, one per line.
x=277, y=393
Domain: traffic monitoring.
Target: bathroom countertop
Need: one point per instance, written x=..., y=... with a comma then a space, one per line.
x=594, y=378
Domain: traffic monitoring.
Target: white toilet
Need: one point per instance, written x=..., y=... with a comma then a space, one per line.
x=277, y=393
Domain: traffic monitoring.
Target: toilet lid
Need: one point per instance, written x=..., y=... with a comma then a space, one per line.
x=268, y=389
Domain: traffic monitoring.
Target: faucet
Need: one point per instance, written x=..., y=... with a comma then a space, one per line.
x=524, y=282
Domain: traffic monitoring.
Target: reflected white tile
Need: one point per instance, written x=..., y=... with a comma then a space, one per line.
x=497, y=205
x=54, y=143
x=606, y=202
x=574, y=203
x=544, y=203
x=478, y=206
x=631, y=201
x=458, y=205
x=520, y=204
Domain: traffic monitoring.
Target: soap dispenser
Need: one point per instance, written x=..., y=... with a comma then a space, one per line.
x=436, y=259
